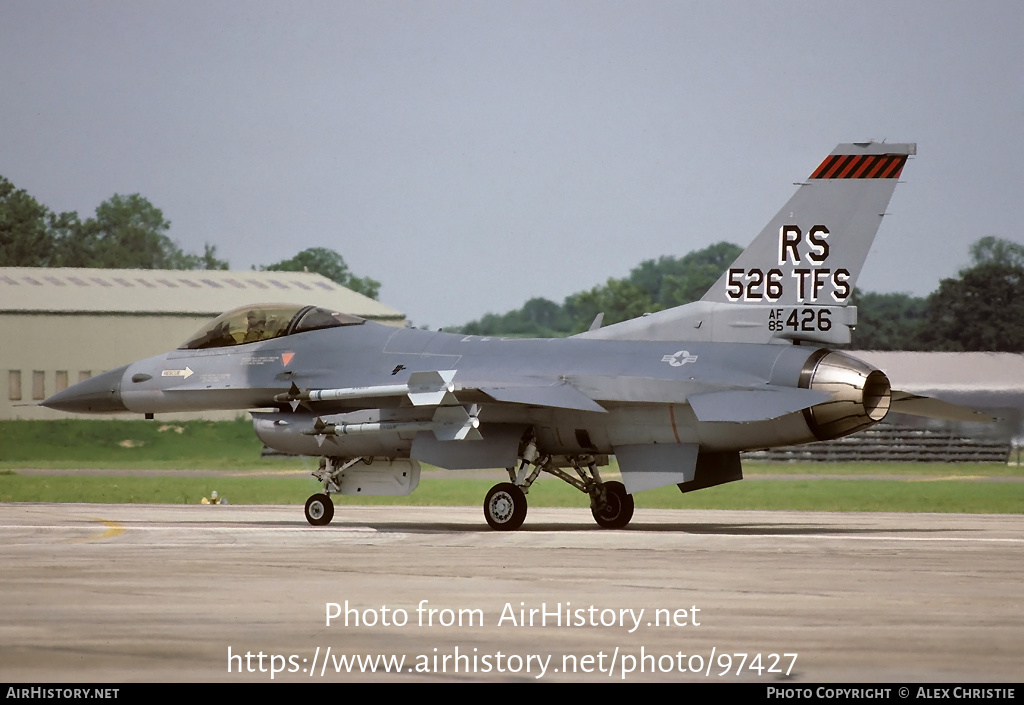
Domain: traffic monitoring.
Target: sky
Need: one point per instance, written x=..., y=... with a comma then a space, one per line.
x=473, y=155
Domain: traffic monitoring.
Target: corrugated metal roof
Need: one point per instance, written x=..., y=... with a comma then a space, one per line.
x=171, y=291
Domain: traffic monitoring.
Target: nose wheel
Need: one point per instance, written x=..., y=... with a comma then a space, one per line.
x=319, y=510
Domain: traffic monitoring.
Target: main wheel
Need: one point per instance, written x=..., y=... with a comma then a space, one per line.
x=319, y=510
x=505, y=507
x=618, y=508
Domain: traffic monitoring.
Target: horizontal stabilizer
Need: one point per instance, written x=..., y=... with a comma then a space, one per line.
x=560, y=396
x=914, y=405
x=744, y=405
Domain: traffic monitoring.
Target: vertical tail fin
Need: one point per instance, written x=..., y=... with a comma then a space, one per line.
x=795, y=279
x=812, y=251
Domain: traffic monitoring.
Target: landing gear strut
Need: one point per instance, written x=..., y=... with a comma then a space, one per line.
x=320, y=507
x=505, y=505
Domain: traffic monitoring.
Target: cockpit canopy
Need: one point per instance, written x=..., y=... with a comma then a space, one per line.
x=250, y=324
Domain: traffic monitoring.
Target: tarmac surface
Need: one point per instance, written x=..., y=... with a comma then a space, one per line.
x=118, y=593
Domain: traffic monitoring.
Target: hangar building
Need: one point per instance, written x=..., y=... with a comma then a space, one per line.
x=62, y=325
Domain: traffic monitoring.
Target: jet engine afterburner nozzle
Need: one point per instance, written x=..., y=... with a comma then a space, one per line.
x=860, y=394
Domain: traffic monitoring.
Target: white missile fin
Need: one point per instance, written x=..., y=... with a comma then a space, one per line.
x=432, y=388
x=454, y=423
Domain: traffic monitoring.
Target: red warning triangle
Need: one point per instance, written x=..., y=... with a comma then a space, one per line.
x=287, y=357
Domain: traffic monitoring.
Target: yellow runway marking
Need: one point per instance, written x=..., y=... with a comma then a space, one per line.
x=113, y=529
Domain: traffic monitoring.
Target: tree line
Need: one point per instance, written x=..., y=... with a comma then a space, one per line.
x=982, y=309
x=128, y=232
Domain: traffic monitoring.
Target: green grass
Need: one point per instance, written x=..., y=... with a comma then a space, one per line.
x=802, y=495
x=215, y=449
x=117, y=444
x=153, y=490
x=945, y=496
x=232, y=445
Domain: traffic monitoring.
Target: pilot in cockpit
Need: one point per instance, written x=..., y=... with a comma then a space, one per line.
x=256, y=323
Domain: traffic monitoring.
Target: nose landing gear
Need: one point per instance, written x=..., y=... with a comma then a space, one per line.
x=319, y=510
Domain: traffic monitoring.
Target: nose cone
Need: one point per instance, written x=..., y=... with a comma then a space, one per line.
x=97, y=395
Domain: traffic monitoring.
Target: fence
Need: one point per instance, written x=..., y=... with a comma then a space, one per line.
x=891, y=443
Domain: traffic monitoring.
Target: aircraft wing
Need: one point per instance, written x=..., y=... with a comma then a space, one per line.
x=558, y=394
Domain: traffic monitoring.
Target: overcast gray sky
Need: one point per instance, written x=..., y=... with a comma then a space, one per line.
x=472, y=155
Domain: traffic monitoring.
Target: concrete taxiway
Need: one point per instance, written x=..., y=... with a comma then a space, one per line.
x=232, y=593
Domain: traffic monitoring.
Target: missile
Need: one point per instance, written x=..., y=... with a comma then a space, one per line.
x=449, y=423
x=430, y=388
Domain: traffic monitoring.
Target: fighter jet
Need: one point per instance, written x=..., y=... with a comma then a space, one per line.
x=675, y=396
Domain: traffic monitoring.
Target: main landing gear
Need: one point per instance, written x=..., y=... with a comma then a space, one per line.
x=505, y=505
x=616, y=510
